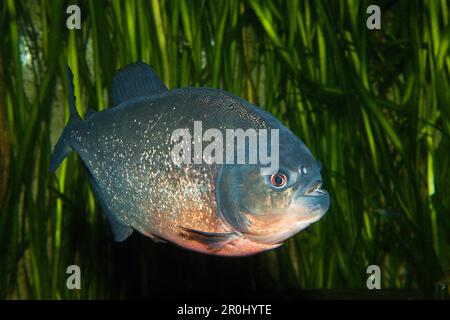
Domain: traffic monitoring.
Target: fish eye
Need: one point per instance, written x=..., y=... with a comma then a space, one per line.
x=278, y=180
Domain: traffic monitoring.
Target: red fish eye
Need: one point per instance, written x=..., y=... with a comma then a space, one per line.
x=278, y=180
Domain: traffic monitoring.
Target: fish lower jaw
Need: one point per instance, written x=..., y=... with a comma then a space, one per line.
x=311, y=220
x=316, y=192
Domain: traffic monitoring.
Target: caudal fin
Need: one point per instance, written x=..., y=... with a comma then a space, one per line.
x=63, y=146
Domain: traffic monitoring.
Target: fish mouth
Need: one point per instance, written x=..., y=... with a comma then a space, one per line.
x=311, y=205
x=306, y=208
x=316, y=190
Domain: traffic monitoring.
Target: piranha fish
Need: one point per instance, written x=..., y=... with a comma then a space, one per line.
x=228, y=209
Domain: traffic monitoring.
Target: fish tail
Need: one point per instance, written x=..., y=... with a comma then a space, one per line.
x=63, y=146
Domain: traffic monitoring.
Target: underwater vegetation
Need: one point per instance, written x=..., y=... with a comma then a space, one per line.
x=372, y=105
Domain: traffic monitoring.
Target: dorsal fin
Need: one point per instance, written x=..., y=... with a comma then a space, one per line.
x=135, y=80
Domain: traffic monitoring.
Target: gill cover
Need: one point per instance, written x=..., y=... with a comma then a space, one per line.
x=228, y=193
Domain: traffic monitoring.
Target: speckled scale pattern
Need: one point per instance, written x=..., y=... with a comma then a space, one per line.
x=127, y=151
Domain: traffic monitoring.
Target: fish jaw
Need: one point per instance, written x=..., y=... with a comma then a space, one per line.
x=303, y=211
x=310, y=207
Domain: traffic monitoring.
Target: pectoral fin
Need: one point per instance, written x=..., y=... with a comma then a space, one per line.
x=214, y=241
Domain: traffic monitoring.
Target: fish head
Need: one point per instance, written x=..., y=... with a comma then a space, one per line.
x=270, y=207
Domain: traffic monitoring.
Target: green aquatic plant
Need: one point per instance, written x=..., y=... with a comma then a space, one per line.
x=372, y=105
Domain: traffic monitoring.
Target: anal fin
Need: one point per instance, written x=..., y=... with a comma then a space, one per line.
x=120, y=231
